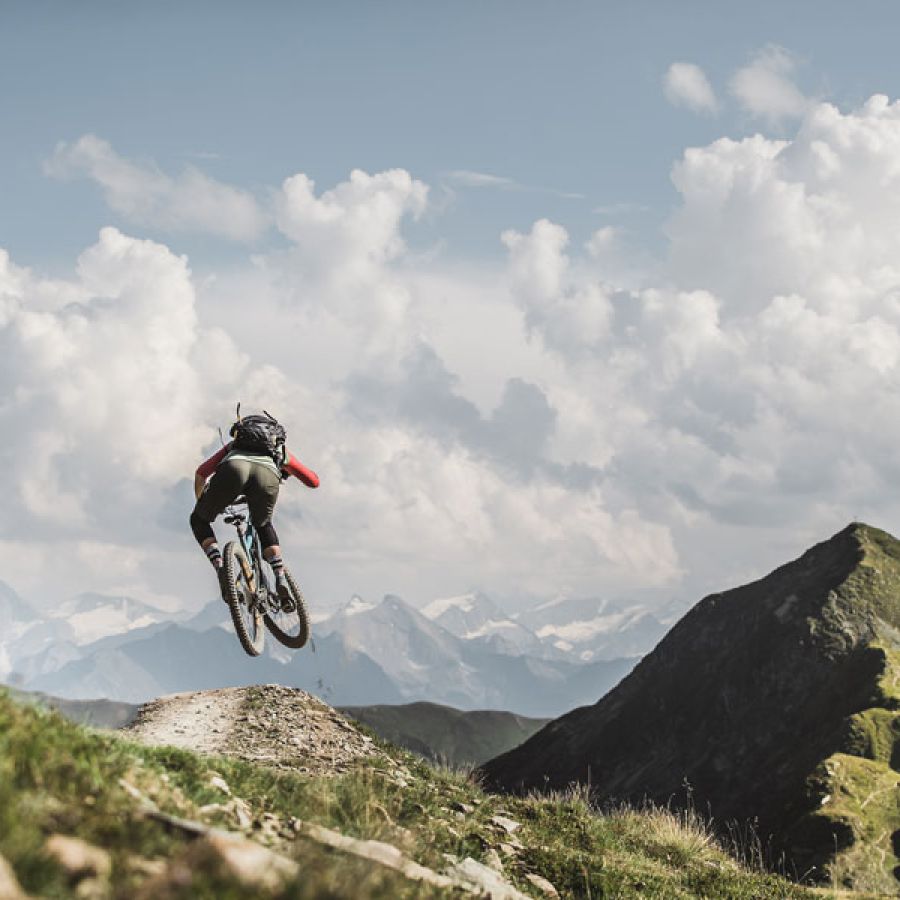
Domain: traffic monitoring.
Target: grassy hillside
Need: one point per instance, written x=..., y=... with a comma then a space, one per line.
x=444, y=734
x=143, y=806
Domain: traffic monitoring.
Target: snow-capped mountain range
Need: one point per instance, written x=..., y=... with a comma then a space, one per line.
x=45, y=642
x=583, y=629
x=463, y=651
x=476, y=617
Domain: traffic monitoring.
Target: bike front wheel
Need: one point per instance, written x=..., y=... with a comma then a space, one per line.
x=289, y=626
x=241, y=600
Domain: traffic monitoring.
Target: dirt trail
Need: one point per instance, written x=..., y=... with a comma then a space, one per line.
x=278, y=726
x=201, y=721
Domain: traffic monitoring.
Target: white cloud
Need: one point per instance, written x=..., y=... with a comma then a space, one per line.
x=108, y=385
x=471, y=179
x=344, y=244
x=553, y=429
x=468, y=178
x=686, y=84
x=573, y=315
x=144, y=195
x=765, y=90
x=349, y=232
x=757, y=393
x=116, y=375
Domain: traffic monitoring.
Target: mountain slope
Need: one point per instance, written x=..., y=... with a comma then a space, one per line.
x=444, y=734
x=777, y=701
x=297, y=803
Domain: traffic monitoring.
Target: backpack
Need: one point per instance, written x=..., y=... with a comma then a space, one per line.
x=261, y=434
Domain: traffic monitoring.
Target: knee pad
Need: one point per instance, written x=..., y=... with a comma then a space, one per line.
x=267, y=535
x=201, y=528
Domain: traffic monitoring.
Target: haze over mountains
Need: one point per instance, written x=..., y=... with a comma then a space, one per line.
x=463, y=651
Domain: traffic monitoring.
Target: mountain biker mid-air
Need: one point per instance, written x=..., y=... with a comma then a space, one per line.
x=254, y=464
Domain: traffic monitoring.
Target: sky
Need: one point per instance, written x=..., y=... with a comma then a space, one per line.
x=583, y=298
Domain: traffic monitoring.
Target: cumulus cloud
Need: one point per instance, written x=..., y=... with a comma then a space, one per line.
x=685, y=84
x=344, y=244
x=352, y=229
x=539, y=428
x=572, y=314
x=144, y=195
x=756, y=391
x=425, y=395
x=116, y=376
x=764, y=87
x=111, y=386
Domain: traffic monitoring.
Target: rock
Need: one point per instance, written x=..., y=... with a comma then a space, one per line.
x=269, y=825
x=217, y=781
x=79, y=859
x=146, y=868
x=10, y=889
x=466, y=808
x=508, y=825
x=479, y=878
x=211, y=809
x=376, y=851
x=542, y=884
x=492, y=859
x=241, y=811
x=249, y=863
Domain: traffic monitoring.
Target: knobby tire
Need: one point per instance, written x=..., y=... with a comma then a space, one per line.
x=298, y=634
x=248, y=625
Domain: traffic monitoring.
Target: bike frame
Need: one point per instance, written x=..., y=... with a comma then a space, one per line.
x=250, y=543
x=255, y=595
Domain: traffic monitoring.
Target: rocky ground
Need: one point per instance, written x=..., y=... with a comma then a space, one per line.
x=270, y=724
x=289, y=729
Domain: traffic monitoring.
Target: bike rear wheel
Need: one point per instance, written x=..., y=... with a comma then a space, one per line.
x=289, y=627
x=241, y=600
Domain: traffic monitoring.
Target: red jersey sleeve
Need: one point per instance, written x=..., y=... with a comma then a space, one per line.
x=205, y=469
x=296, y=468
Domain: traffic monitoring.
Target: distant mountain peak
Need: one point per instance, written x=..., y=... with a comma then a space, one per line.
x=13, y=607
x=437, y=608
x=356, y=605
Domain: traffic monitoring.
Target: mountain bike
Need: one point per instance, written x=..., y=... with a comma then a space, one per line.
x=247, y=588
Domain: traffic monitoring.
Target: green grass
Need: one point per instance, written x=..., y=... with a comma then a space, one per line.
x=860, y=799
x=59, y=777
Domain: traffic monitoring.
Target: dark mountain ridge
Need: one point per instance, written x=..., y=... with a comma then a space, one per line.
x=776, y=702
x=446, y=735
